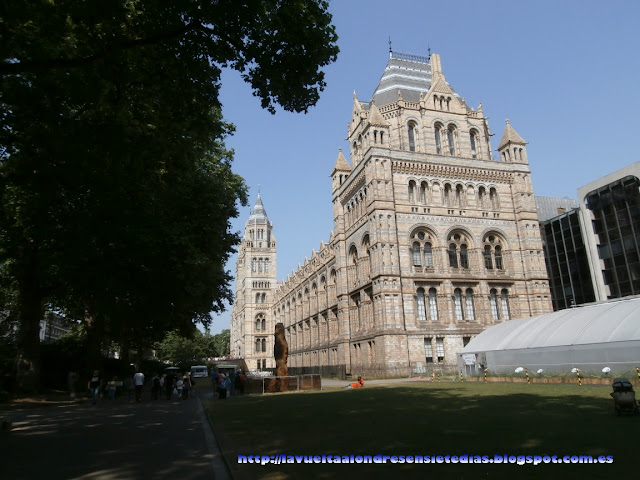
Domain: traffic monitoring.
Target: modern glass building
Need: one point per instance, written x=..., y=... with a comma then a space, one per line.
x=614, y=209
x=567, y=261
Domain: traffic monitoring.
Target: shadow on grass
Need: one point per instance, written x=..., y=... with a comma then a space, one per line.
x=428, y=419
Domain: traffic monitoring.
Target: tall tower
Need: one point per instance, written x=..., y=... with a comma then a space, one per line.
x=434, y=239
x=251, y=324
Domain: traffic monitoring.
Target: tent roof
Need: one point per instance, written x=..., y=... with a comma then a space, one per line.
x=612, y=321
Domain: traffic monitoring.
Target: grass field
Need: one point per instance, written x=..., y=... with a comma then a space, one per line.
x=424, y=418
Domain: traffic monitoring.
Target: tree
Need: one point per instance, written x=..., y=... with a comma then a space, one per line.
x=116, y=189
x=222, y=342
x=180, y=349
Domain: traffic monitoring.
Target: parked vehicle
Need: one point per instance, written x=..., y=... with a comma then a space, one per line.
x=199, y=371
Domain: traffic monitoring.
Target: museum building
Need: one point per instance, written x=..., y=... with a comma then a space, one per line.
x=434, y=240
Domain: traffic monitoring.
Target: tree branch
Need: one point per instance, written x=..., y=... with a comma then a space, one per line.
x=35, y=66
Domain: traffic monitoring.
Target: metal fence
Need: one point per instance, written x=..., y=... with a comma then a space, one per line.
x=260, y=385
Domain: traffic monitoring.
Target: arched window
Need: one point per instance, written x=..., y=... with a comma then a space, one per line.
x=254, y=264
x=457, y=301
x=453, y=255
x=257, y=298
x=437, y=129
x=504, y=303
x=493, y=300
x=498, y=254
x=421, y=249
x=471, y=316
x=460, y=196
x=422, y=313
x=493, y=197
x=258, y=325
x=266, y=265
x=258, y=345
x=264, y=344
x=259, y=265
x=464, y=256
x=428, y=256
x=264, y=324
x=458, y=251
x=416, y=255
x=447, y=195
x=488, y=262
x=482, y=197
x=433, y=305
x=412, y=191
x=423, y=193
x=264, y=298
x=412, y=136
x=493, y=253
x=472, y=139
x=451, y=139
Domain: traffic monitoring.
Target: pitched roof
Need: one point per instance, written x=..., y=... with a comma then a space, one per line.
x=375, y=117
x=408, y=74
x=510, y=136
x=341, y=164
x=258, y=213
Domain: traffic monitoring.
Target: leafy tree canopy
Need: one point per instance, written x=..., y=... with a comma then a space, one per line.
x=116, y=188
x=182, y=350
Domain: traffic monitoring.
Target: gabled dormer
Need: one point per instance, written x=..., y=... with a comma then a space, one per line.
x=356, y=127
x=512, y=147
x=441, y=96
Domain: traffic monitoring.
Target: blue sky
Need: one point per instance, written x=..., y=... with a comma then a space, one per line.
x=565, y=73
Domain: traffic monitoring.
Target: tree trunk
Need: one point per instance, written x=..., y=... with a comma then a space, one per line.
x=30, y=312
x=94, y=331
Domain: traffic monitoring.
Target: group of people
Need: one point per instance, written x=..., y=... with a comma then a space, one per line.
x=226, y=385
x=171, y=385
x=168, y=384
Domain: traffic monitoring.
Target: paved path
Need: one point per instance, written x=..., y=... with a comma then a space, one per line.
x=118, y=440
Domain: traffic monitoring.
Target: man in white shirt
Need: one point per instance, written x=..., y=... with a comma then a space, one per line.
x=138, y=381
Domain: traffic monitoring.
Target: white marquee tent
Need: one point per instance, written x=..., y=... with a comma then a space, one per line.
x=589, y=338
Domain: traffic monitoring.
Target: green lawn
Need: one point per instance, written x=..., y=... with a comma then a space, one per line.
x=424, y=418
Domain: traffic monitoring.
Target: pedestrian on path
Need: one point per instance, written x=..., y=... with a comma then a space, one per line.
x=186, y=385
x=94, y=387
x=138, y=381
x=113, y=384
x=72, y=379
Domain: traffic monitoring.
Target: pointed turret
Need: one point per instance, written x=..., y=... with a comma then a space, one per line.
x=512, y=146
x=341, y=171
x=258, y=213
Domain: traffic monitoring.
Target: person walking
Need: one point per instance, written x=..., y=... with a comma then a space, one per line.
x=138, y=381
x=156, y=386
x=232, y=383
x=72, y=380
x=112, y=386
x=186, y=385
x=94, y=387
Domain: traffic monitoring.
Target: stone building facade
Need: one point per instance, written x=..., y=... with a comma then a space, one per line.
x=433, y=240
x=251, y=321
